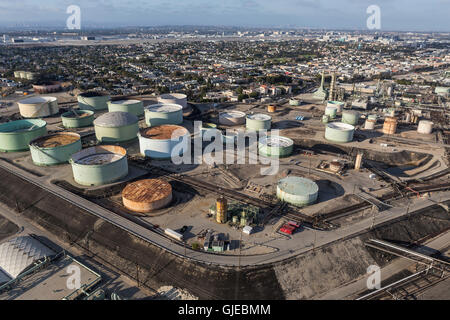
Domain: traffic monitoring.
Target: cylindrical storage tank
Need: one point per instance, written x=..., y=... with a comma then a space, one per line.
x=47, y=87
x=135, y=107
x=232, y=118
x=339, y=132
x=390, y=125
x=159, y=142
x=390, y=112
x=271, y=108
x=209, y=128
x=331, y=112
x=350, y=117
x=116, y=127
x=38, y=107
x=325, y=118
x=93, y=101
x=408, y=117
x=16, y=135
x=372, y=117
x=99, y=165
x=294, y=102
x=221, y=210
x=258, y=121
x=159, y=114
x=55, y=148
x=235, y=219
x=297, y=191
x=338, y=104
x=173, y=98
x=275, y=146
x=77, y=118
x=147, y=195
x=369, y=124
x=425, y=127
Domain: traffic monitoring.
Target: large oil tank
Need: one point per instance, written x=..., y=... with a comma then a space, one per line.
x=38, y=107
x=93, y=101
x=221, y=210
x=99, y=165
x=159, y=114
x=331, y=112
x=147, y=195
x=275, y=146
x=339, y=132
x=77, y=118
x=159, y=142
x=116, y=126
x=232, y=118
x=425, y=127
x=55, y=148
x=135, y=107
x=297, y=191
x=258, y=121
x=390, y=125
x=16, y=135
x=350, y=117
x=337, y=104
x=173, y=98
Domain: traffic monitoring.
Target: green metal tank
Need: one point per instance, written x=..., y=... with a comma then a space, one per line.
x=339, y=132
x=159, y=114
x=54, y=148
x=16, y=135
x=275, y=146
x=350, y=117
x=135, y=107
x=77, y=118
x=94, y=101
x=297, y=191
x=116, y=126
x=331, y=112
x=325, y=118
x=258, y=121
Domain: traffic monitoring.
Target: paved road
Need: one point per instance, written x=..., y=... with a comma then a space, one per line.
x=301, y=243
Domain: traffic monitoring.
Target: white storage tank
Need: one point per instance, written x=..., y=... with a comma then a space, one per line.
x=173, y=98
x=159, y=114
x=425, y=127
x=232, y=118
x=159, y=142
x=339, y=132
x=38, y=107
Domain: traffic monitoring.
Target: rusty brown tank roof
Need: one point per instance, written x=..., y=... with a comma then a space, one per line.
x=163, y=132
x=147, y=191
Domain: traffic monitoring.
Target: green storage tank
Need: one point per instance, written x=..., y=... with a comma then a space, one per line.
x=297, y=191
x=350, y=117
x=339, y=132
x=93, y=101
x=135, y=107
x=160, y=114
x=54, y=148
x=77, y=118
x=331, y=112
x=275, y=146
x=16, y=135
x=258, y=121
x=116, y=127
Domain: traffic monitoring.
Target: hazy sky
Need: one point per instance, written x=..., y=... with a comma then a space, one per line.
x=422, y=15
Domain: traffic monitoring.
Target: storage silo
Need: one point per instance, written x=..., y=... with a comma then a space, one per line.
x=350, y=117
x=55, y=148
x=99, y=165
x=339, y=132
x=93, y=101
x=337, y=104
x=22, y=74
x=258, y=121
x=116, y=127
x=30, y=75
x=158, y=142
x=147, y=195
x=38, y=107
x=77, y=118
x=425, y=127
x=232, y=118
x=16, y=135
x=173, y=98
x=221, y=210
x=297, y=191
x=390, y=125
x=135, y=107
x=275, y=146
x=331, y=112
x=159, y=114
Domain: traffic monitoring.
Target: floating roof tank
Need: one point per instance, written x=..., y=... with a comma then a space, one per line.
x=147, y=195
x=173, y=98
x=159, y=142
x=99, y=165
x=232, y=118
x=55, y=148
x=16, y=135
x=93, y=100
x=77, y=118
x=38, y=107
x=339, y=132
x=258, y=121
x=297, y=191
x=135, y=107
x=116, y=127
x=275, y=146
x=159, y=114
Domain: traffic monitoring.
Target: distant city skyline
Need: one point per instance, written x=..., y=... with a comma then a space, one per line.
x=396, y=15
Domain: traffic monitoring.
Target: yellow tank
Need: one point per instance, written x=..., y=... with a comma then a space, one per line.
x=221, y=210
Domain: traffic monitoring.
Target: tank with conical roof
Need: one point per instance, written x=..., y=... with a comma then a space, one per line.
x=116, y=126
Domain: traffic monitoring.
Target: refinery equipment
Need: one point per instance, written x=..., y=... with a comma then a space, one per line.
x=160, y=142
x=160, y=114
x=16, y=135
x=221, y=210
x=232, y=118
x=135, y=107
x=99, y=165
x=173, y=98
x=275, y=146
x=77, y=118
x=297, y=191
x=38, y=107
x=339, y=132
x=390, y=125
x=350, y=117
x=258, y=121
x=425, y=127
x=93, y=101
x=147, y=195
x=55, y=148
x=369, y=124
x=331, y=112
x=338, y=104
x=271, y=108
x=321, y=93
x=116, y=126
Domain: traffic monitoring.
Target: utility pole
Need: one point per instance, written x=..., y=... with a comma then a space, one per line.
x=373, y=217
x=240, y=246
